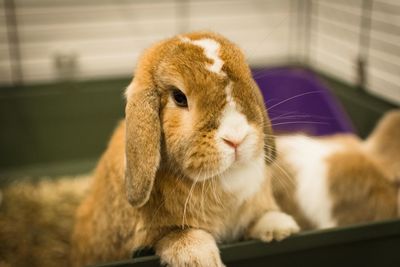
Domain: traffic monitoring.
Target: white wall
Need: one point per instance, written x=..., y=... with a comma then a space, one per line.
x=334, y=41
x=106, y=37
x=335, y=44
x=261, y=28
x=384, y=50
x=93, y=39
x=5, y=63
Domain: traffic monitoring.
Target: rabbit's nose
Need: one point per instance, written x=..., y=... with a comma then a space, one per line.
x=233, y=142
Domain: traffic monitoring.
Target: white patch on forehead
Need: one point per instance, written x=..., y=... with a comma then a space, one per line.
x=211, y=51
x=234, y=124
x=228, y=91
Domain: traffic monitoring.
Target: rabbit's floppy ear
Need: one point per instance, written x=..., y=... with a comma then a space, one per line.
x=142, y=141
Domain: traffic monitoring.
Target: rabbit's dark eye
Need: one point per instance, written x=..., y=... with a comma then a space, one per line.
x=179, y=98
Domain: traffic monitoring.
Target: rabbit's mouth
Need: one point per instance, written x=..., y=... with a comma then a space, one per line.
x=228, y=161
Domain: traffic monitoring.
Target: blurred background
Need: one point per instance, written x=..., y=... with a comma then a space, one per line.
x=64, y=64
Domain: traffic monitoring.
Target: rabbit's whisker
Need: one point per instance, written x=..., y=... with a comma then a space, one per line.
x=178, y=179
x=202, y=201
x=291, y=98
x=298, y=122
x=214, y=187
x=294, y=115
x=286, y=184
x=187, y=201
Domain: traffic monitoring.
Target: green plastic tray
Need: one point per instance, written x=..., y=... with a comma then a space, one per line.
x=374, y=244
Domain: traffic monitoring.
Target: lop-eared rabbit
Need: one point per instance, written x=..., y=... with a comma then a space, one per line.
x=188, y=167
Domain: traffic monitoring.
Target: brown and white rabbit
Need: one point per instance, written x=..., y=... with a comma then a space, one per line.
x=187, y=169
x=339, y=180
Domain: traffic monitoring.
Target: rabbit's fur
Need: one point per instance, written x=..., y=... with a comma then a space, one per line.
x=339, y=180
x=36, y=219
x=180, y=179
x=384, y=144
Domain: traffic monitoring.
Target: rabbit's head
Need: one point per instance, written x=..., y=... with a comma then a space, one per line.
x=192, y=108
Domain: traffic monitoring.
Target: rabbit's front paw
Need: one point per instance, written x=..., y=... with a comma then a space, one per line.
x=192, y=248
x=274, y=225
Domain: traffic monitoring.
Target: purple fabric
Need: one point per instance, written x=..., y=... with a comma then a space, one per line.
x=297, y=101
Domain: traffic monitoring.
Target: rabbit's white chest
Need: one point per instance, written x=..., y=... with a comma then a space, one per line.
x=245, y=179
